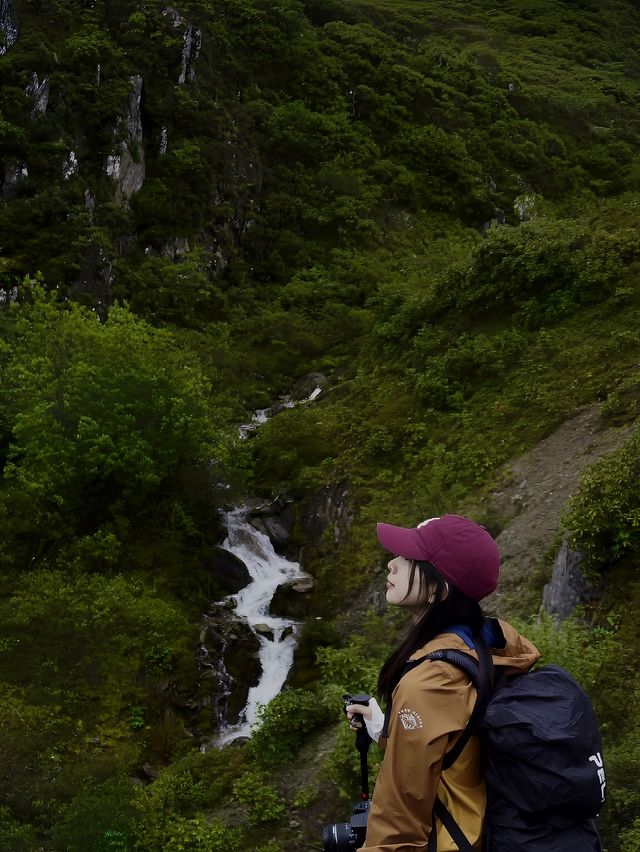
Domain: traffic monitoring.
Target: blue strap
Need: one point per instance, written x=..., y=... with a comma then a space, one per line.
x=490, y=633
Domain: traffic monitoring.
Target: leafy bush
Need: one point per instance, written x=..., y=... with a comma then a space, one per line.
x=603, y=515
x=14, y=835
x=199, y=834
x=99, y=818
x=283, y=724
x=351, y=668
x=580, y=649
x=173, y=797
x=263, y=800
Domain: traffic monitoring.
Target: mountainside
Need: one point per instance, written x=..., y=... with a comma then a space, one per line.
x=433, y=208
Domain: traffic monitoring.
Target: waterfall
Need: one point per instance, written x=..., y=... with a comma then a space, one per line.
x=276, y=636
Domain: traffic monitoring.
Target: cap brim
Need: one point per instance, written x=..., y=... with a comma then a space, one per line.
x=400, y=541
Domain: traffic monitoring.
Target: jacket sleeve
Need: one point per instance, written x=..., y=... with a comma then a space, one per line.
x=429, y=706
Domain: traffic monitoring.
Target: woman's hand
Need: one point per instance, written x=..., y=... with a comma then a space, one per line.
x=372, y=715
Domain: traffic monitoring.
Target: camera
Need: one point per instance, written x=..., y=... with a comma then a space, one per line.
x=347, y=835
x=360, y=698
x=343, y=836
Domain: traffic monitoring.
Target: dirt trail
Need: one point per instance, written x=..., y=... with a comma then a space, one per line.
x=538, y=487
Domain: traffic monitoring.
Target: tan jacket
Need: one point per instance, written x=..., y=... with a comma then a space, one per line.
x=430, y=707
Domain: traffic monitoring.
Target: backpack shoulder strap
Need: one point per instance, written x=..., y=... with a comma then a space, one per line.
x=480, y=672
x=457, y=835
x=482, y=676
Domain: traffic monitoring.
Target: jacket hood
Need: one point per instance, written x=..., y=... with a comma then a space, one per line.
x=517, y=654
x=509, y=649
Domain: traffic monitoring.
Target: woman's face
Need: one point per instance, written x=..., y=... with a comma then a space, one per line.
x=398, y=591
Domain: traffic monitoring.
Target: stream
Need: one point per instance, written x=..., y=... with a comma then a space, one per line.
x=277, y=636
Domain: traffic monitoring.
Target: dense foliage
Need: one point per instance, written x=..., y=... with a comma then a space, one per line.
x=435, y=204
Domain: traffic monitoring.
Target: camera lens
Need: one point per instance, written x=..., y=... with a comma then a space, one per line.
x=338, y=837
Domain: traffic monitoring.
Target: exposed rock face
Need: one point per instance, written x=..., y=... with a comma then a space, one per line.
x=175, y=249
x=70, y=165
x=330, y=511
x=129, y=172
x=13, y=174
x=96, y=276
x=567, y=588
x=39, y=91
x=228, y=666
x=192, y=42
x=538, y=486
x=8, y=26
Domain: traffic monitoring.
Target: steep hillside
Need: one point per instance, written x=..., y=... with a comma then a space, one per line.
x=433, y=205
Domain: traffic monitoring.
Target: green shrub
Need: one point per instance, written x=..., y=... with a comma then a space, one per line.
x=603, y=515
x=264, y=802
x=354, y=667
x=16, y=836
x=173, y=797
x=580, y=649
x=100, y=818
x=283, y=725
x=199, y=834
x=630, y=837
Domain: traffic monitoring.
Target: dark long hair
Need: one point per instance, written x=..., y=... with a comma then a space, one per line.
x=448, y=608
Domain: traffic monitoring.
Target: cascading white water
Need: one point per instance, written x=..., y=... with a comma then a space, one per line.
x=268, y=570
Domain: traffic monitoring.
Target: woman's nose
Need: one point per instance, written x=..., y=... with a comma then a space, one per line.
x=392, y=566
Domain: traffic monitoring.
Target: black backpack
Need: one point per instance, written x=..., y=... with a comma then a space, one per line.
x=544, y=770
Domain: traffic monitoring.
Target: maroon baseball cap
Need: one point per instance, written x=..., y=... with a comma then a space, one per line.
x=463, y=551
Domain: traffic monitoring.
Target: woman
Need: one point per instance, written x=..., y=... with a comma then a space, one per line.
x=440, y=571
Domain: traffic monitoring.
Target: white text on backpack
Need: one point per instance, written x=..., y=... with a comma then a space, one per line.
x=597, y=759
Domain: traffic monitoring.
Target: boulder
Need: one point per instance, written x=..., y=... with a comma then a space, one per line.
x=275, y=519
x=306, y=385
x=292, y=599
x=567, y=588
x=274, y=529
x=229, y=572
x=264, y=630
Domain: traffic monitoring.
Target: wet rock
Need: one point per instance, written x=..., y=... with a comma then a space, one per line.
x=264, y=630
x=229, y=572
x=308, y=384
x=274, y=529
x=292, y=599
x=276, y=520
x=225, y=637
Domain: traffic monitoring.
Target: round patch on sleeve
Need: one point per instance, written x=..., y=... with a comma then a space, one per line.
x=411, y=720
